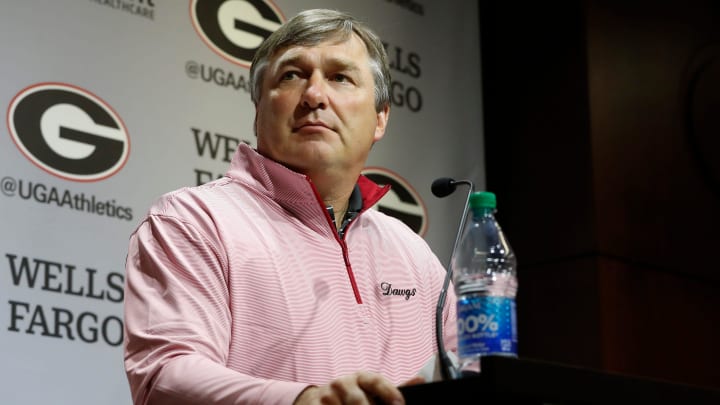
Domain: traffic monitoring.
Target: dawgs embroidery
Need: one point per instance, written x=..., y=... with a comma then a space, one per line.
x=388, y=290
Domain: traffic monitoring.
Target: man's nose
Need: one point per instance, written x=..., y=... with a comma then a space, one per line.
x=315, y=94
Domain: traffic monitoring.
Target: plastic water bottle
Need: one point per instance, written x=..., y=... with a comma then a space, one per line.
x=485, y=282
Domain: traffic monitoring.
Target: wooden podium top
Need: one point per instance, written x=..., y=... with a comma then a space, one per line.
x=510, y=380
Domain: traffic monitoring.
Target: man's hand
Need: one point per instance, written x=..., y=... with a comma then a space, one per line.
x=359, y=388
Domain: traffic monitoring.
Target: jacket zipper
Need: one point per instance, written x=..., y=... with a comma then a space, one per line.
x=341, y=241
x=351, y=275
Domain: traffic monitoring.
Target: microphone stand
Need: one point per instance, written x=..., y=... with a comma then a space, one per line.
x=447, y=370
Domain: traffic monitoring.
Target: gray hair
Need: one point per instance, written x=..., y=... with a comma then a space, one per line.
x=312, y=27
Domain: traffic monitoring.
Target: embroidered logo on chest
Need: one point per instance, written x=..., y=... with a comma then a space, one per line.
x=387, y=289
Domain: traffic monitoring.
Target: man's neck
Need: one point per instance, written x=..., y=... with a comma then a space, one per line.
x=335, y=193
x=352, y=209
x=339, y=207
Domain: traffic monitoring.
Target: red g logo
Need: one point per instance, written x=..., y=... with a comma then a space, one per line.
x=402, y=202
x=68, y=132
x=234, y=29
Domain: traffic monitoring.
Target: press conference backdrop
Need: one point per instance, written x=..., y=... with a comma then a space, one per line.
x=110, y=103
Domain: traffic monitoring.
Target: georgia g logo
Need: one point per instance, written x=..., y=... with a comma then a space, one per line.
x=402, y=202
x=234, y=29
x=68, y=132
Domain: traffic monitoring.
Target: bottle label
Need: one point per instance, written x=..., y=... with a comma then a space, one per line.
x=486, y=325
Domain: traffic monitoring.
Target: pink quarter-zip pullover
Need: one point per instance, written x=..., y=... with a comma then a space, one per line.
x=241, y=291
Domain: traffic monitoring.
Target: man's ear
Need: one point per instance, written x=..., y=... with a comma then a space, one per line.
x=255, y=122
x=381, y=125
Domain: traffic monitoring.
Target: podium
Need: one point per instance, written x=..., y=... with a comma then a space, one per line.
x=505, y=380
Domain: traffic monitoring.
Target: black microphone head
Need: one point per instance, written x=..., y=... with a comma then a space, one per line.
x=443, y=187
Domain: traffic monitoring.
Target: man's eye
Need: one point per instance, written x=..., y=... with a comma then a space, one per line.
x=289, y=75
x=339, y=77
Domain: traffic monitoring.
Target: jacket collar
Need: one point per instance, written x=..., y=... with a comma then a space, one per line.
x=286, y=186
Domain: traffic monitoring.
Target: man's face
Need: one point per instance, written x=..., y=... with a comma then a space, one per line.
x=316, y=112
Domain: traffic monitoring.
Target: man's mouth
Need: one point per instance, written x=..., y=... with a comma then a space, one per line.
x=311, y=125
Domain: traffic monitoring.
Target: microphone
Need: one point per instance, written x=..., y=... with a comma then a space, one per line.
x=443, y=187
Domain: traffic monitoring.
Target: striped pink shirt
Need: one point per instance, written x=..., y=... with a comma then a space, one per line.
x=240, y=291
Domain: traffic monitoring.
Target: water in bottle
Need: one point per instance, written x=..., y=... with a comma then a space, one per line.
x=485, y=282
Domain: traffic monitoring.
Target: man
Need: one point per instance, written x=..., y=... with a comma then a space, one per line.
x=277, y=283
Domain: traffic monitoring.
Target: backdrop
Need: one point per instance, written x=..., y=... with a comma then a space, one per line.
x=110, y=103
